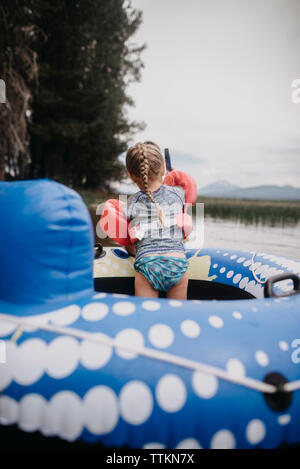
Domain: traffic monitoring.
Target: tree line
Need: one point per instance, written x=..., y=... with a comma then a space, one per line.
x=67, y=65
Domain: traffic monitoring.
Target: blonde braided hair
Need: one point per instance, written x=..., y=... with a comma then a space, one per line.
x=144, y=161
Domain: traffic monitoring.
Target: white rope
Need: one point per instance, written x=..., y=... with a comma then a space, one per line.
x=149, y=353
x=254, y=274
x=292, y=386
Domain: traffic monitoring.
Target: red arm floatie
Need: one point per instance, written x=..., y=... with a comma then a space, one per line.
x=114, y=223
x=179, y=178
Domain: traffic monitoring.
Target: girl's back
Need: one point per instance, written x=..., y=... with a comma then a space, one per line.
x=160, y=262
x=143, y=215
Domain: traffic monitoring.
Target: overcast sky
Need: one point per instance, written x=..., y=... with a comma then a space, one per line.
x=216, y=87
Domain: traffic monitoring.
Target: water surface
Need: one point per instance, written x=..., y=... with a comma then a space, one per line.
x=281, y=240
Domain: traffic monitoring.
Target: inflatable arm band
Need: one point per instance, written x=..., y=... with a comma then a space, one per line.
x=114, y=223
x=179, y=178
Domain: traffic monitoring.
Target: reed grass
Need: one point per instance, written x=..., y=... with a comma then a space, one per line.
x=267, y=212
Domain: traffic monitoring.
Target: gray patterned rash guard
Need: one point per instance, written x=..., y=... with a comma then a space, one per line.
x=142, y=214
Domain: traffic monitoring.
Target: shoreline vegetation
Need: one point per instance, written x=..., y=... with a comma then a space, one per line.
x=265, y=212
x=254, y=212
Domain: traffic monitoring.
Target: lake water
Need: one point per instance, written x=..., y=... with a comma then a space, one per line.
x=281, y=240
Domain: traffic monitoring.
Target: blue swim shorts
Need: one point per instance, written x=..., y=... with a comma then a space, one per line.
x=163, y=272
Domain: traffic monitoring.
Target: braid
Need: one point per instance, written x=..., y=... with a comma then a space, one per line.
x=144, y=172
x=144, y=169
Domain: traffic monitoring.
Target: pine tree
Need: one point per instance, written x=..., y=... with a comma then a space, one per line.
x=18, y=69
x=79, y=125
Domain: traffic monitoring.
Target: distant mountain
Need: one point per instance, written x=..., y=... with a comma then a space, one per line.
x=267, y=192
x=216, y=188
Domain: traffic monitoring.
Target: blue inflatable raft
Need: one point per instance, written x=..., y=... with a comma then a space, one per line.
x=219, y=370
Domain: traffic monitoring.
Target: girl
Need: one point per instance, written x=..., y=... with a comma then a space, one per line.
x=160, y=262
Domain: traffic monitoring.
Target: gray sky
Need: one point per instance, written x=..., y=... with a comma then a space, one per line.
x=216, y=87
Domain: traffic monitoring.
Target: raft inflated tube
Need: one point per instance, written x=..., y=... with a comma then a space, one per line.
x=111, y=368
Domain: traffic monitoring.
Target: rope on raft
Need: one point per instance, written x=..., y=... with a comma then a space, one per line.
x=253, y=267
x=253, y=272
x=158, y=355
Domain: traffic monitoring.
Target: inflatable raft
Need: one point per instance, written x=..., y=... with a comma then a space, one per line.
x=84, y=360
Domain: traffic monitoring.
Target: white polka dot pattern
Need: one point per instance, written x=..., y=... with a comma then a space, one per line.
x=161, y=335
x=95, y=355
x=63, y=416
x=30, y=357
x=235, y=368
x=31, y=407
x=8, y=410
x=175, y=303
x=153, y=446
x=123, y=308
x=255, y=431
x=283, y=345
x=136, y=402
x=129, y=337
x=188, y=443
x=170, y=393
x=284, y=419
x=94, y=311
x=100, y=410
x=216, y=321
x=204, y=385
x=151, y=305
x=223, y=439
x=237, y=315
x=66, y=316
x=62, y=357
x=190, y=328
x=262, y=358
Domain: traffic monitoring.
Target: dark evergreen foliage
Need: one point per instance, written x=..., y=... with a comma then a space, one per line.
x=78, y=126
x=18, y=69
